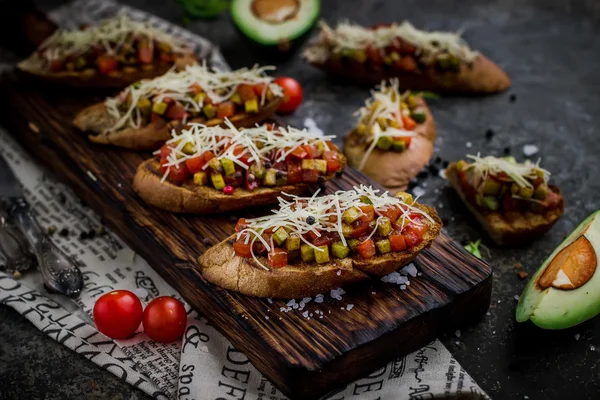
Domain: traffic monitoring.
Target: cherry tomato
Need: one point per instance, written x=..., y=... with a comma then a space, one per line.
x=292, y=94
x=164, y=319
x=118, y=314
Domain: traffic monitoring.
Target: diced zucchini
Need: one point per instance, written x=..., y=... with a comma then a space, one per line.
x=209, y=111
x=383, y=123
x=405, y=197
x=460, y=165
x=270, y=178
x=418, y=116
x=338, y=250
x=281, y=181
x=292, y=243
x=385, y=226
x=360, y=56
x=526, y=192
x=258, y=172
x=412, y=101
x=394, y=56
x=394, y=124
x=251, y=106
x=347, y=230
x=236, y=98
x=514, y=188
x=159, y=108
x=321, y=166
x=351, y=215
x=215, y=165
x=321, y=257
x=307, y=253
x=491, y=187
x=361, y=129
x=540, y=192
x=352, y=243
x=280, y=235
x=383, y=246
x=320, y=147
x=144, y=105
x=365, y=199
x=384, y=142
x=491, y=203
x=399, y=146
x=189, y=148
x=217, y=180
x=200, y=178
x=387, y=60
x=228, y=166
x=539, y=172
x=199, y=98
x=310, y=164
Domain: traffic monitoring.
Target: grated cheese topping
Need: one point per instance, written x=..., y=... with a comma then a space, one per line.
x=294, y=210
x=385, y=104
x=429, y=44
x=520, y=173
x=260, y=143
x=111, y=34
x=218, y=86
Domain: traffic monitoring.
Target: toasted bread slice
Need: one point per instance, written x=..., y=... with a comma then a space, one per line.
x=91, y=78
x=222, y=267
x=205, y=199
x=513, y=227
x=481, y=76
x=391, y=169
x=96, y=119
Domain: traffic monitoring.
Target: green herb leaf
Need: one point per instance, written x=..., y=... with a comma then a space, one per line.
x=473, y=248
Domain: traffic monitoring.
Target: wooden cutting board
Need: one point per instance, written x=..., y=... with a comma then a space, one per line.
x=304, y=357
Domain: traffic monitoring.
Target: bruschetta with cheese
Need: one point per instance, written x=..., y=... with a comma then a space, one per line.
x=421, y=60
x=393, y=139
x=143, y=115
x=310, y=245
x=113, y=54
x=205, y=170
x=512, y=201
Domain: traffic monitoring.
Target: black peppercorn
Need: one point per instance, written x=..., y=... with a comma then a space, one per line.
x=339, y=174
x=206, y=241
x=310, y=220
x=279, y=175
x=445, y=164
x=231, y=241
x=91, y=234
x=438, y=160
x=512, y=98
x=64, y=232
x=506, y=151
x=320, y=180
x=237, y=175
x=267, y=164
x=422, y=175
x=433, y=169
x=489, y=134
x=83, y=236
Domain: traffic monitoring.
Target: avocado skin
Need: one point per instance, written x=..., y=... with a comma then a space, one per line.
x=553, y=308
x=248, y=25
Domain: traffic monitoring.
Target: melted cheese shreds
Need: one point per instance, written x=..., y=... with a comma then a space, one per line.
x=218, y=86
x=355, y=37
x=294, y=211
x=520, y=173
x=110, y=34
x=256, y=144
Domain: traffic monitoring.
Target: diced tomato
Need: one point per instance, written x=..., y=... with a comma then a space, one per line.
x=406, y=139
x=163, y=168
x=406, y=63
x=195, y=88
x=374, y=55
x=368, y=213
x=299, y=152
x=361, y=229
x=312, y=150
x=419, y=229
x=107, y=64
x=145, y=53
x=178, y=173
x=165, y=151
x=166, y=57
x=294, y=172
x=412, y=238
x=243, y=154
x=241, y=225
x=270, y=126
x=310, y=175
x=195, y=164
x=208, y=155
x=538, y=181
x=408, y=122
x=333, y=162
x=242, y=249
x=323, y=240
x=310, y=236
x=277, y=258
x=258, y=89
x=553, y=199
x=176, y=111
x=225, y=109
x=246, y=92
x=57, y=65
x=397, y=241
x=391, y=212
x=366, y=249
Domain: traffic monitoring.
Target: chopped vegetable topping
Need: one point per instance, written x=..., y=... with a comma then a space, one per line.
x=377, y=223
x=388, y=119
x=193, y=92
x=473, y=248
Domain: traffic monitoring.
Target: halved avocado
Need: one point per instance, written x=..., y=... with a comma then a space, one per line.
x=275, y=22
x=565, y=291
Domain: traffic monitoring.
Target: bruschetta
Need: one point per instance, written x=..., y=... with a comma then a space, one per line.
x=143, y=115
x=393, y=139
x=421, y=60
x=512, y=201
x=113, y=54
x=205, y=170
x=311, y=245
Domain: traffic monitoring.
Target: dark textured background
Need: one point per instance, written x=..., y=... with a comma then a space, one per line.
x=550, y=50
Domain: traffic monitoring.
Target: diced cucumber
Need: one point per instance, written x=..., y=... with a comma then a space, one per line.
x=280, y=235
x=338, y=250
x=365, y=199
x=384, y=227
x=351, y=215
x=200, y=178
x=293, y=242
x=209, y=111
x=251, y=106
x=352, y=243
x=159, y=108
x=540, y=192
x=215, y=165
x=418, y=116
x=217, y=180
x=491, y=187
x=383, y=246
x=399, y=146
x=236, y=98
x=526, y=192
x=270, y=178
x=309, y=164
x=307, y=253
x=384, y=142
x=228, y=166
x=322, y=255
x=321, y=166
x=405, y=197
x=189, y=148
x=347, y=230
x=491, y=203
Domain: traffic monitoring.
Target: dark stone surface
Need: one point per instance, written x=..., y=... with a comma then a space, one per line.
x=550, y=50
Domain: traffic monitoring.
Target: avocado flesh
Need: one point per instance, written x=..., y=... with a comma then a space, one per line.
x=295, y=21
x=553, y=308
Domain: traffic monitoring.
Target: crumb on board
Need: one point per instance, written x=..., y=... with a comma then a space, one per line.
x=522, y=274
x=33, y=127
x=518, y=265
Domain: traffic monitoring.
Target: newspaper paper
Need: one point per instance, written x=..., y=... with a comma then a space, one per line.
x=203, y=365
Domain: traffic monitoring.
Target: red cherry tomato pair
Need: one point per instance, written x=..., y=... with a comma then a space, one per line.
x=118, y=314
x=292, y=94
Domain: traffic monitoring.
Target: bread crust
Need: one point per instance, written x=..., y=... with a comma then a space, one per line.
x=204, y=199
x=513, y=227
x=481, y=76
x=95, y=118
x=391, y=169
x=222, y=267
x=92, y=79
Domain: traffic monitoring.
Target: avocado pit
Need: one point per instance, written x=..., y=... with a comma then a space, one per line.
x=275, y=11
x=572, y=267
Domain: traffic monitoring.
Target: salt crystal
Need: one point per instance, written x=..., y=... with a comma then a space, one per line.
x=488, y=313
x=306, y=300
x=440, y=205
x=493, y=332
x=396, y=278
x=468, y=145
x=525, y=397
x=442, y=174
x=530, y=149
x=516, y=297
x=339, y=272
x=373, y=293
x=457, y=342
x=402, y=287
x=337, y=293
x=349, y=307
x=592, y=348
x=311, y=125
x=311, y=314
x=270, y=300
x=291, y=303
x=319, y=298
x=457, y=333
x=321, y=316
x=204, y=349
x=266, y=317
x=499, y=301
x=410, y=269
x=305, y=314
x=418, y=191
x=577, y=336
